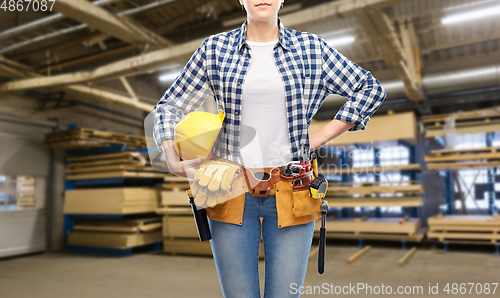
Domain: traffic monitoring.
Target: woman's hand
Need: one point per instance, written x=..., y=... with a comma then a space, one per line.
x=186, y=168
x=192, y=166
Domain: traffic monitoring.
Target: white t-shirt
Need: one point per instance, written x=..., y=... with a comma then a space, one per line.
x=264, y=111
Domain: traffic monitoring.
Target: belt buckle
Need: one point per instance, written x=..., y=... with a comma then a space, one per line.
x=264, y=179
x=261, y=193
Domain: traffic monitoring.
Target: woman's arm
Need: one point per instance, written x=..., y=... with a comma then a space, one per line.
x=363, y=92
x=330, y=131
x=186, y=168
x=185, y=94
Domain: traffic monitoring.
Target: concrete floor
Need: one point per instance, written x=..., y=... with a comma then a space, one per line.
x=145, y=275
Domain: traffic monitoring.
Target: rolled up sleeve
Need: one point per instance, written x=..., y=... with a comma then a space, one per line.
x=363, y=92
x=186, y=94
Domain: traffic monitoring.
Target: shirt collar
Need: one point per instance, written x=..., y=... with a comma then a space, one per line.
x=284, y=39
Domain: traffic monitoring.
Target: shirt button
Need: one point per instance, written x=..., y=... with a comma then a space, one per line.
x=238, y=83
x=236, y=113
x=246, y=58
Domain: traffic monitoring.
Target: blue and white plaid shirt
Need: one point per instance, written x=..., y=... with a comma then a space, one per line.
x=310, y=68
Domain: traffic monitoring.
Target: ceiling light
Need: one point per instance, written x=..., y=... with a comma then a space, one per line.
x=169, y=77
x=467, y=16
x=335, y=42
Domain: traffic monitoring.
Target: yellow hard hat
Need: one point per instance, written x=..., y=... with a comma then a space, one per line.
x=196, y=132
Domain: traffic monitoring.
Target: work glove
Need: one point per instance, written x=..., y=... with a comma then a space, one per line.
x=212, y=182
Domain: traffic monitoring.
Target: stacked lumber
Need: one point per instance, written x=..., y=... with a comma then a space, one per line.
x=464, y=228
x=373, y=228
x=463, y=158
x=111, y=165
x=25, y=196
x=375, y=194
x=381, y=129
x=174, y=199
x=120, y=200
x=369, y=170
x=84, y=138
x=180, y=235
x=120, y=234
x=485, y=120
x=359, y=226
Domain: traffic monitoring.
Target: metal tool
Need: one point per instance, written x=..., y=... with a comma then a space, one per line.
x=200, y=217
x=322, y=238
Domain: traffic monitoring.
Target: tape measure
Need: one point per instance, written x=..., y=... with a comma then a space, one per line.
x=318, y=187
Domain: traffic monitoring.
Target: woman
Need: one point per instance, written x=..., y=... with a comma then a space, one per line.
x=274, y=80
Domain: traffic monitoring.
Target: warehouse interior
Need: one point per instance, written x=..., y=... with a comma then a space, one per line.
x=86, y=209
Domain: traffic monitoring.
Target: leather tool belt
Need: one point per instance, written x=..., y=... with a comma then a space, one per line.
x=263, y=184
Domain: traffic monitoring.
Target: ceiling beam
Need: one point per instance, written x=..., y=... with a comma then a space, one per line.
x=86, y=60
x=161, y=58
x=411, y=51
x=14, y=70
x=333, y=10
x=98, y=18
x=461, y=42
x=110, y=97
x=380, y=30
x=129, y=88
x=127, y=67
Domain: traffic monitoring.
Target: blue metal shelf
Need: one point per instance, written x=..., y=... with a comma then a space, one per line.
x=98, y=150
x=347, y=161
x=69, y=219
x=113, y=252
x=449, y=185
x=118, y=181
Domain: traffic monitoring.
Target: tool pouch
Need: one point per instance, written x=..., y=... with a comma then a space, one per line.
x=303, y=203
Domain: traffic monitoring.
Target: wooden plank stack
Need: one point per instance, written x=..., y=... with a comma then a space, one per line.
x=181, y=237
x=463, y=158
x=464, y=228
x=173, y=193
x=120, y=234
x=370, y=170
x=360, y=226
x=110, y=202
x=375, y=194
x=25, y=197
x=485, y=120
x=111, y=165
x=84, y=138
x=381, y=129
x=374, y=228
x=117, y=200
x=179, y=228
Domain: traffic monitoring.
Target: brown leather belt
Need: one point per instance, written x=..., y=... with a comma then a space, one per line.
x=258, y=186
x=267, y=187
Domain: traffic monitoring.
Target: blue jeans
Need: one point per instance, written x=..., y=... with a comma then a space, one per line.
x=236, y=252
